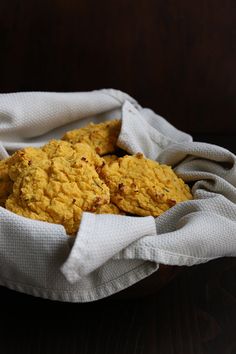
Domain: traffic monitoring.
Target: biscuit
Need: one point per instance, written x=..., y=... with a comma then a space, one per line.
x=5, y=182
x=58, y=187
x=140, y=186
x=101, y=137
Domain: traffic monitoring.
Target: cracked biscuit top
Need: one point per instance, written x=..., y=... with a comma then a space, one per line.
x=101, y=137
x=140, y=186
x=57, y=183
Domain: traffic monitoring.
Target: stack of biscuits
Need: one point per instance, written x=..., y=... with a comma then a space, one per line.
x=86, y=171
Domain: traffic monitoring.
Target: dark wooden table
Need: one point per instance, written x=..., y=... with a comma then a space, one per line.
x=195, y=313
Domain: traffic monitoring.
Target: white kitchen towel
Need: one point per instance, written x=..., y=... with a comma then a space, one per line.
x=112, y=252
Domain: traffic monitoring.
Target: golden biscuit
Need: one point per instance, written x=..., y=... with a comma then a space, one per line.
x=5, y=182
x=60, y=186
x=24, y=158
x=59, y=181
x=101, y=137
x=143, y=187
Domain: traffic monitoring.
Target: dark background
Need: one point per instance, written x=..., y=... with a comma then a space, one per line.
x=178, y=58
x=175, y=56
